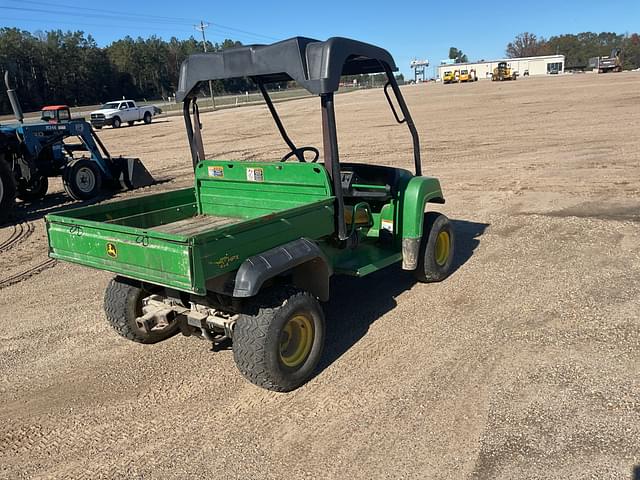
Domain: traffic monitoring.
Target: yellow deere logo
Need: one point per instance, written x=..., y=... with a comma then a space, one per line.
x=112, y=251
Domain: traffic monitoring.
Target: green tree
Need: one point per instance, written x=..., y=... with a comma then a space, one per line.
x=457, y=55
x=527, y=45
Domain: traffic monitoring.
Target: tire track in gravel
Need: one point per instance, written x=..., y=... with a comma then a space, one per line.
x=19, y=277
x=20, y=232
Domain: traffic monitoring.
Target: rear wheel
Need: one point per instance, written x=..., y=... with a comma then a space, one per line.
x=278, y=345
x=147, y=118
x=116, y=122
x=435, y=260
x=35, y=190
x=7, y=187
x=123, y=304
x=82, y=179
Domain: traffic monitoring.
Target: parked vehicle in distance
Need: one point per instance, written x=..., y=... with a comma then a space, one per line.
x=55, y=113
x=612, y=63
x=449, y=77
x=58, y=146
x=120, y=111
x=503, y=72
x=467, y=76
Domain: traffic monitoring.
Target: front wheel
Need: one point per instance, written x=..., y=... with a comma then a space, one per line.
x=278, y=345
x=82, y=179
x=435, y=260
x=116, y=122
x=123, y=304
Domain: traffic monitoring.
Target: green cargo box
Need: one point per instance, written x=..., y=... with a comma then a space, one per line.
x=184, y=238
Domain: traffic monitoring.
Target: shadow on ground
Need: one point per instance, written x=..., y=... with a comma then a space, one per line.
x=54, y=202
x=356, y=303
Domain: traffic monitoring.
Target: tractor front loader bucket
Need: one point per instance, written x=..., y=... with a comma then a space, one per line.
x=133, y=173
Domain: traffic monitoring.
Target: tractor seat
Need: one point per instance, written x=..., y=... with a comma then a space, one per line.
x=362, y=218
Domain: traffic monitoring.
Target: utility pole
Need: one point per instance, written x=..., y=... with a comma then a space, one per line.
x=202, y=27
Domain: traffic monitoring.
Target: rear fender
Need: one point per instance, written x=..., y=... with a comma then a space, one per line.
x=302, y=258
x=418, y=192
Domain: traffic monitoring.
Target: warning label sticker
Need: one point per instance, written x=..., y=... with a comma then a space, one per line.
x=216, y=172
x=255, y=174
x=386, y=225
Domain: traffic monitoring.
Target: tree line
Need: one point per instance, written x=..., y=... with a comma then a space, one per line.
x=70, y=68
x=577, y=48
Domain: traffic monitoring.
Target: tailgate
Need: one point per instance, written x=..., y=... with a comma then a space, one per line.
x=124, y=250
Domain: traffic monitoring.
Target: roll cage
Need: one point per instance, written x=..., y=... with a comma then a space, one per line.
x=317, y=67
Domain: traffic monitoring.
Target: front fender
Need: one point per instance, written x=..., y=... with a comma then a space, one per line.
x=417, y=193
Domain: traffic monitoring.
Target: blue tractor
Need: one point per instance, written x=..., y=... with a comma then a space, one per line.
x=31, y=153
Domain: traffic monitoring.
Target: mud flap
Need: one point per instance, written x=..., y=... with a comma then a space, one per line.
x=133, y=173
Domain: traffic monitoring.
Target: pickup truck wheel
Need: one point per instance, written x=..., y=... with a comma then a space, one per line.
x=147, y=118
x=278, y=344
x=35, y=191
x=130, y=123
x=116, y=122
x=82, y=179
x=7, y=187
x=435, y=260
x=123, y=304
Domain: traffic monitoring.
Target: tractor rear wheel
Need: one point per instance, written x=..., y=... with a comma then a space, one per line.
x=7, y=187
x=278, y=344
x=82, y=179
x=123, y=304
x=435, y=260
x=35, y=190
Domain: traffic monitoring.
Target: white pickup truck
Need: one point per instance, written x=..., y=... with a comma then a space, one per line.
x=121, y=111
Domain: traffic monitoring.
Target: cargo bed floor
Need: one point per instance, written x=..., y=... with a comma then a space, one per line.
x=195, y=225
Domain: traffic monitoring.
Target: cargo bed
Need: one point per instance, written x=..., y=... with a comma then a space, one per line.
x=184, y=238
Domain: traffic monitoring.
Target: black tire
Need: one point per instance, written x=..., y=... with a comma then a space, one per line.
x=82, y=179
x=131, y=123
x=36, y=191
x=123, y=304
x=116, y=123
x=262, y=339
x=7, y=188
x=147, y=118
x=97, y=127
x=435, y=261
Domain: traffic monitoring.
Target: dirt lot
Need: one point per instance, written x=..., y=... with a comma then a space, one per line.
x=523, y=364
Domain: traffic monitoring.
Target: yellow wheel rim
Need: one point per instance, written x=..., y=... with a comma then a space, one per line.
x=443, y=247
x=296, y=340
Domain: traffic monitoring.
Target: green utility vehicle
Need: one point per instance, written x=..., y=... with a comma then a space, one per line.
x=246, y=255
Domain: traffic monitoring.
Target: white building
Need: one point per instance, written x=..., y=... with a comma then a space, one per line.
x=541, y=65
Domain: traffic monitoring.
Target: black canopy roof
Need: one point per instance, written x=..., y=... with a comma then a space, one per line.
x=313, y=64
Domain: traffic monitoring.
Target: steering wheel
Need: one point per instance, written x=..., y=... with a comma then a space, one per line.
x=299, y=152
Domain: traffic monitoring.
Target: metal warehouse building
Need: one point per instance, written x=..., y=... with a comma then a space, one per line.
x=534, y=65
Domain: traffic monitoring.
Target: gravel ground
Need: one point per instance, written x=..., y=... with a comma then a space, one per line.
x=523, y=364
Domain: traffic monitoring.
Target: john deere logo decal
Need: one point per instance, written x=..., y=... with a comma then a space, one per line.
x=112, y=251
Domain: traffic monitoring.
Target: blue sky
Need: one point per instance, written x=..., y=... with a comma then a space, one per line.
x=408, y=29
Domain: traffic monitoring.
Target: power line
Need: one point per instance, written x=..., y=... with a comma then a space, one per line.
x=202, y=27
x=86, y=24
x=127, y=17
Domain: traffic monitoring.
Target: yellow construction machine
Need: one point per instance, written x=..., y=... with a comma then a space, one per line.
x=503, y=72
